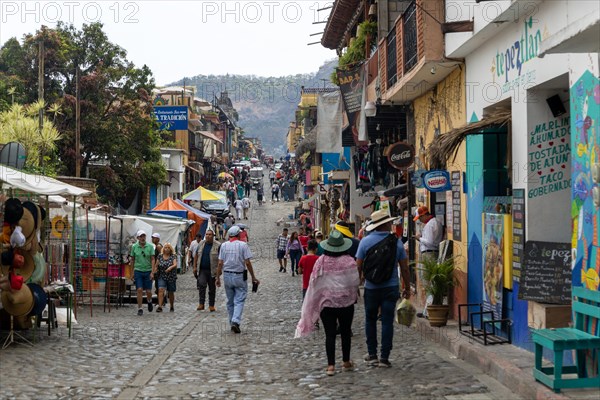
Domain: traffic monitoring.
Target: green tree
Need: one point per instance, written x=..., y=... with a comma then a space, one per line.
x=119, y=141
x=21, y=124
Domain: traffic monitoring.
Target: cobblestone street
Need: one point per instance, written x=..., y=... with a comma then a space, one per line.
x=193, y=354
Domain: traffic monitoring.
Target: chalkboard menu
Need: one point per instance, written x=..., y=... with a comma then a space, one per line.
x=518, y=218
x=546, y=272
x=456, y=211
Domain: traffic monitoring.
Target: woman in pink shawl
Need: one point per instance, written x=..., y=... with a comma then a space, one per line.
x=332, y=293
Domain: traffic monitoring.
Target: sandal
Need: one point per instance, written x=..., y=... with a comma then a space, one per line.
x=159, y=309
x=348, y=367
x=330, y=372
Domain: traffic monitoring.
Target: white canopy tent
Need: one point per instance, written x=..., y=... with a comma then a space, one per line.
x=38, y=184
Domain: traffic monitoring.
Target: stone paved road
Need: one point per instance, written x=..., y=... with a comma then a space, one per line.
x=191, y=354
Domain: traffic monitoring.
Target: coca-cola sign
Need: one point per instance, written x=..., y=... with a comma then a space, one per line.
x=400, y=155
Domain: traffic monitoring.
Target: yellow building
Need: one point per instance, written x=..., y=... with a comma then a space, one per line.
x=441, y=110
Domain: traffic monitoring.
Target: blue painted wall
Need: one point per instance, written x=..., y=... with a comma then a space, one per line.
x=474, y=177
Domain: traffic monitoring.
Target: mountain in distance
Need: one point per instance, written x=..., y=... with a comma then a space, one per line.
x=266, y=105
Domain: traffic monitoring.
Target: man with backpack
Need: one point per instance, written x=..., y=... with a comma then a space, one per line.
x=378, y=271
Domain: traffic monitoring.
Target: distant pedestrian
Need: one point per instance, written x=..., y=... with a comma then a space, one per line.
x=240, y=191
x=228, y=222
x=304, y=238
x=205, y=270
x=281, y=244
x=234, y=265
x=380, y=298
x=141, y=260
x=306, y=264
x=285, y=190
x=271, y=177
x=247, y=187
x=335, y=269
x=167, y=276
x=243, y=233
x=239, y=208
x=260, y=193
x=274, y=192
x=246, y=206
x=294, y=250
x=192, y=249
x=157, y=250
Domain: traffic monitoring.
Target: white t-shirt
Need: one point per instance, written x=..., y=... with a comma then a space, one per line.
x=432, y=235
x=239, y=203
x=246, y=202
x=271, y=174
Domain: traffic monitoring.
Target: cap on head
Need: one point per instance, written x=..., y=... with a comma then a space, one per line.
x=233, y=231
x=420, y=212
x=156, y=235
x=140, y=233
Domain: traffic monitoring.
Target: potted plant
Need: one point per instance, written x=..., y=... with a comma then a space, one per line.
x=438, y=280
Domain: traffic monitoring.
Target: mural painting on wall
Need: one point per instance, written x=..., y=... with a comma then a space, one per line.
x=493, y=262
x=548, y=158
x=585, y=109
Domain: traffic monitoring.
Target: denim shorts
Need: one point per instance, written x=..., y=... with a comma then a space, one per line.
x=280, y=254
x=171, y=286
x=142, y=280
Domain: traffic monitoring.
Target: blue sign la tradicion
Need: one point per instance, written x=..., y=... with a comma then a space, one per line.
x=172, y=118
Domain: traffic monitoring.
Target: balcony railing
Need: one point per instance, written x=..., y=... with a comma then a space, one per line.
x=409, y=37
x=413, y=42
x=392, y=65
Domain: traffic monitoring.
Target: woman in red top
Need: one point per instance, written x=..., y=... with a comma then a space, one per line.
x=306, y=264
x=303, y=238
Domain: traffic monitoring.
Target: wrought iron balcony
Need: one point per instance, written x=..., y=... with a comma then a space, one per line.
x=408, y=56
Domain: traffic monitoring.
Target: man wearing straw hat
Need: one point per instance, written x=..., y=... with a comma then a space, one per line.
x=384, y=295
x=142, y=261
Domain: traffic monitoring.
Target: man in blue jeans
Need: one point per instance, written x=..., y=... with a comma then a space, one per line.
x=234, y=260
x=382, y=296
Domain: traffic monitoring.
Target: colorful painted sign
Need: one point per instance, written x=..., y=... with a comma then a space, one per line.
x=493, y=263
x=549, y=158
x=172, y=118
x=585, y=109
x=400, y=155
x=437, y=181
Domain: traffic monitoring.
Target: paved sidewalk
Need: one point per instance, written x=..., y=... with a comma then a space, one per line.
x=508, y=364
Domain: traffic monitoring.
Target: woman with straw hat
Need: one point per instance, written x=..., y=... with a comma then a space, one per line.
x=331, y=295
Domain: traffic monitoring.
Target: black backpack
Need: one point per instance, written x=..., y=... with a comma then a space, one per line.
x=380, y=260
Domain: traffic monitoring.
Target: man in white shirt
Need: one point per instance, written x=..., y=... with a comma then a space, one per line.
x=239, y=207
x=431, y=235
x=429, y=241
x=234, y=265
x=246, y=206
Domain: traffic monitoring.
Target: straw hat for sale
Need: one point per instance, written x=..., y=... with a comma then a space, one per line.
x=17, y=302
x=21, y=261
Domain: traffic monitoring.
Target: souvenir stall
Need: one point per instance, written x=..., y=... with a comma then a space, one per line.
x=23, y=273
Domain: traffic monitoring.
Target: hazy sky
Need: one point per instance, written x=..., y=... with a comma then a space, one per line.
x=185, y=38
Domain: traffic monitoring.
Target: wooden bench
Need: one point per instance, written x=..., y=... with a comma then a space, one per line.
x=586, y=307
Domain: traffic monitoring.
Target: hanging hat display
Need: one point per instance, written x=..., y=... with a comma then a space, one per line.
x=17, y=302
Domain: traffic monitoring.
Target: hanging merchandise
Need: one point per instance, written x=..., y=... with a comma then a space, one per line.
x=60, y=225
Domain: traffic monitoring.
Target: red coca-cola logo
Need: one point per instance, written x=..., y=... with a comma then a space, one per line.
x=400, y=155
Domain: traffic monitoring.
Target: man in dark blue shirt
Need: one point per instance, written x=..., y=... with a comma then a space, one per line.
x=205, y=269
x=381, y=296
